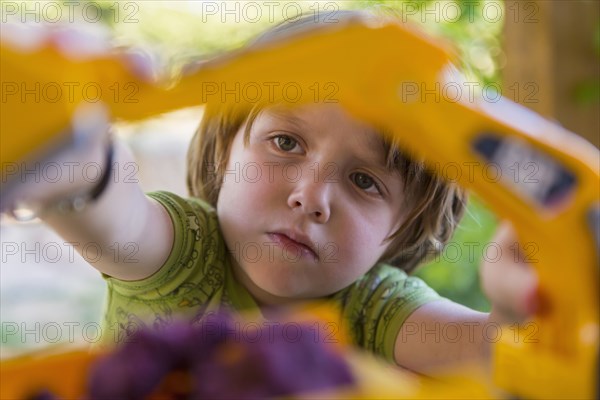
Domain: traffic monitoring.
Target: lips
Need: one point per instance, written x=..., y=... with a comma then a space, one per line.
x=297, y=242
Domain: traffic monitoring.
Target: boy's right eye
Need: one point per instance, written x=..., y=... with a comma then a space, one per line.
x=286, y=143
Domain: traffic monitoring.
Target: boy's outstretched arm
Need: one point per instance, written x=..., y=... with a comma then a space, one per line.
x=122, y=232
x=439, y=334
x=442, y=333
x=125, y=234
x=133, y=232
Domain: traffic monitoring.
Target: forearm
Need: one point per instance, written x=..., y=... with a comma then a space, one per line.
x=440, y=334
x=132, y=235
x=510, y=284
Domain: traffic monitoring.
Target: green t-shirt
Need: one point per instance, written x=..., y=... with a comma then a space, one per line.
x=197, y=279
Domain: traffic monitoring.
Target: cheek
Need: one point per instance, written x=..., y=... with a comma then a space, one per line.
x=241, y=180
x=247, y=199
x=377, y=226
x=358, y=247
x=360, y=239
x=238, y=199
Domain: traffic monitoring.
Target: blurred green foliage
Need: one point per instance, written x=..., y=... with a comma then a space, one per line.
x=454, y=273
x=181, y=31
x=588, y=92
x=471, y=28
x=177, y=32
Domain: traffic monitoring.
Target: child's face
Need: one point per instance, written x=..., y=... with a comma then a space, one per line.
x=311, y=174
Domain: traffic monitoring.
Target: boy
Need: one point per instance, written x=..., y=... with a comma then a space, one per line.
x=330, y=206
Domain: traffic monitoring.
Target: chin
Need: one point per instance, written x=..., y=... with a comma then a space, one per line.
x=284, y=289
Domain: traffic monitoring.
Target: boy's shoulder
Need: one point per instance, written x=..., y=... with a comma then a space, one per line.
x=385, y=277
x=377, y=304
x=173, y=200
x=198, y=251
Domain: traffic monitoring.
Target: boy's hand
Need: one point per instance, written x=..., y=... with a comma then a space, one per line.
x=76, y=167
x=510, y=283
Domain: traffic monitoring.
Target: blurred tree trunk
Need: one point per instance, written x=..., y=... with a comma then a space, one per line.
x=552, y=62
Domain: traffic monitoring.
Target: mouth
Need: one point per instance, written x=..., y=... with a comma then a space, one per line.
x=299, y=245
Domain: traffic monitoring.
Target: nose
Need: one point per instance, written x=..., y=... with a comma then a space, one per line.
x=313, y=199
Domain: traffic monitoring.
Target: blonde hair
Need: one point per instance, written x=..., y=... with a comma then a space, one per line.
x=435, y=206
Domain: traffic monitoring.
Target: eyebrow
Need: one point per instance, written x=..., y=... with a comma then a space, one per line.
x=375, y=151
x=286, y=116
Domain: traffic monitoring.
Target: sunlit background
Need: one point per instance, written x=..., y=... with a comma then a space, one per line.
x=48, y=289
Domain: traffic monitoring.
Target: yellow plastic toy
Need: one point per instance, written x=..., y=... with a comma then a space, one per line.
x=533, y=172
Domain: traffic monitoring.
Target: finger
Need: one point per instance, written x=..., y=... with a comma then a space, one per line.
x=61, y=172
x=25, y=37
x=509, y=282
x=143, y=63
x=83, y=42
x=510, y=287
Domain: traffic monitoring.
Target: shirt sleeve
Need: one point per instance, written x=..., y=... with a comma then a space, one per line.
x=189, y=282
x=375, y=307
x=197, y=250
